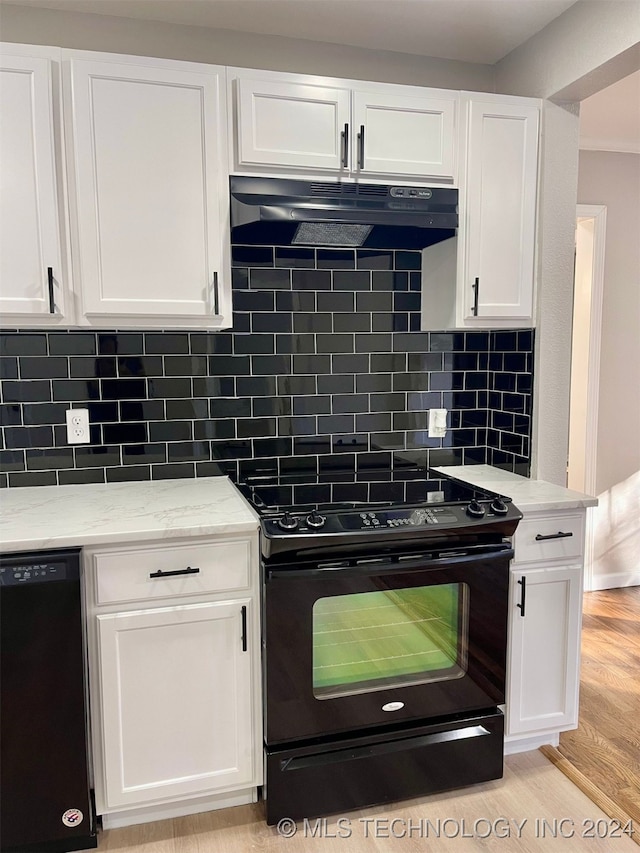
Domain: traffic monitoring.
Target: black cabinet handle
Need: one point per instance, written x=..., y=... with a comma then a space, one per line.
x=344, y=136
x=476, y=290
x=216, y=306
x=558, y=535
x=161, y=574
x=243, y=613
x=523, y=594
x=361, y=147
x=52, y=304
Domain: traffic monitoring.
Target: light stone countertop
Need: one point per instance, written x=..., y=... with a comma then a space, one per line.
x=45, y=517
x=527, y=495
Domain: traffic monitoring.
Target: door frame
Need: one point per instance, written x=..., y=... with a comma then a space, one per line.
x=597, y=213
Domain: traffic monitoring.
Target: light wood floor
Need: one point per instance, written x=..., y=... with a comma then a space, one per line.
x=533, y=790
x=606, y=745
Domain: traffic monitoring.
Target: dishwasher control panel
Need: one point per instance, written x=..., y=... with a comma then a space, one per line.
x=17, y=574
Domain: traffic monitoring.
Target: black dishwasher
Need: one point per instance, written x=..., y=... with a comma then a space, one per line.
x=45, y=799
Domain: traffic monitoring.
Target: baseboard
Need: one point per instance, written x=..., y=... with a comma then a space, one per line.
x=614, y=581
x=131, y=817
x=513, y=745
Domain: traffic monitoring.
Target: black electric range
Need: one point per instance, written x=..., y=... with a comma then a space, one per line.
x=384, y=630
x=347, y=509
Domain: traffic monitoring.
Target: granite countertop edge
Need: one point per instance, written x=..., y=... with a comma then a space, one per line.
x=526, y=494
x=53, y=517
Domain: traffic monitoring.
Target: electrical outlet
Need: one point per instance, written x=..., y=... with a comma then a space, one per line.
x=78, y=426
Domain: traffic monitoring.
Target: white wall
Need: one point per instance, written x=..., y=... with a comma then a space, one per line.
x=556, y=235
x=31, y=25
x=588, y=47
x=613, y=179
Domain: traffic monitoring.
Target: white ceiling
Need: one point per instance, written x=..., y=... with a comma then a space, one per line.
x=480, y=31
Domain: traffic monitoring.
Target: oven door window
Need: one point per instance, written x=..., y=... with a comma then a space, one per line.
x=391, y=638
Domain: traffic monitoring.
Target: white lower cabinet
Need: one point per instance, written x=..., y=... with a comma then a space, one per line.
x=545, y=650
x=176, y=701
x=545, y=618
x=174, y=682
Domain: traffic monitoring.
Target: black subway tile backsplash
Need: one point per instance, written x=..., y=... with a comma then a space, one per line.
x=315, y=280
x=374, y=259
x=23, y=343
x=336, y=259
x=290, y=257
x=325, y=368
x=86, y=367
x=270, y=279
x=127, y=474
x=41, y=367
x=73, y=343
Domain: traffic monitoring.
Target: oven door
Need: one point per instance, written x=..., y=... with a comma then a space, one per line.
x=370, y=641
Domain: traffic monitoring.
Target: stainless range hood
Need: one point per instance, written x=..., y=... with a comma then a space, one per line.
x=283, y=212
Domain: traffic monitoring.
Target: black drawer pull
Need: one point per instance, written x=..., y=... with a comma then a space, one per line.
x=558, y=535
x=161, y=574
x=523, y=594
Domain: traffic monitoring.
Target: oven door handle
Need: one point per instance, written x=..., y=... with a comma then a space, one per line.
x=385, y=567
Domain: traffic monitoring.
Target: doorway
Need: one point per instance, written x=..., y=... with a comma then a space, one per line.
x=585, y=360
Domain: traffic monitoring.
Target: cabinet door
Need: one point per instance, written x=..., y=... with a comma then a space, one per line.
x=151, y=193
x=500, y=217
x=399, y=135
x=543, y=670
x=30, y=243
x=175, y=702
x=282, y=123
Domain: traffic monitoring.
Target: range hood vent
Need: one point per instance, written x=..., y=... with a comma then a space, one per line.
x=336, y=190
x=283, y=212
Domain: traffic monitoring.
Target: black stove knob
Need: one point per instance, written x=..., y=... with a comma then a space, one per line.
x=475, y=509
x=499, y=507
x=287, y=522
x=316, y=520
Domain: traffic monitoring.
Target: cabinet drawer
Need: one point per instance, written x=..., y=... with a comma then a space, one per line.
x=538, y=538
x=132, y=574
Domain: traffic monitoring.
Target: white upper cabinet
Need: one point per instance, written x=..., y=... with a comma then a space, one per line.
x=31, y=273
x=287, y=122
x=501, y=185
x=409, y=136
x=485, y=277
x=281, y=123
x=149, y=179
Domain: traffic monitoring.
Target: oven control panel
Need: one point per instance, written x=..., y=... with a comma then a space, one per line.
x=399, y=518
x=315, y=522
